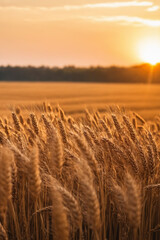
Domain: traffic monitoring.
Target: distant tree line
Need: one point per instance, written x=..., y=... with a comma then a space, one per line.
x=135, y=74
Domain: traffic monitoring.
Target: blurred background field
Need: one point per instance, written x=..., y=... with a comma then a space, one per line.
x=75, y=97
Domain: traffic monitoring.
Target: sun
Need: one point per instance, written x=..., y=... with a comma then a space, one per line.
x=149, y=51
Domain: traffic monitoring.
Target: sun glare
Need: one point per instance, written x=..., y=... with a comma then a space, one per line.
x=150, y=51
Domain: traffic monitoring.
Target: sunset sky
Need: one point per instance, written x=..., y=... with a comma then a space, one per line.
x=77, y=32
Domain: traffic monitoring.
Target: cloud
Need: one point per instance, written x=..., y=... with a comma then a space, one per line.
x=153, y=9
x=122, y=20
x=119, y=4
x=100, y=5
x=84, y=6
x=127, y=19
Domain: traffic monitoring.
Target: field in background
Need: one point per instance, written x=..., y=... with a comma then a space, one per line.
x=74, y=97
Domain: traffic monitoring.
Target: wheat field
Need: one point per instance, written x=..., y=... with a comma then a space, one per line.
x=93, y=174
x=75, y=97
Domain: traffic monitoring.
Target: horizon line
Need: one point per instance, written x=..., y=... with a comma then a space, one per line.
x=76, y=66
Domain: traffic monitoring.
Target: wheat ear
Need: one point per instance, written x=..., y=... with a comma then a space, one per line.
x=34, y=174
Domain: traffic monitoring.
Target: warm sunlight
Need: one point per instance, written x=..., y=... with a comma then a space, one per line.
x=150, y=51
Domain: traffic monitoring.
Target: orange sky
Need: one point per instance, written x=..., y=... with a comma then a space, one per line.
x=76, y=32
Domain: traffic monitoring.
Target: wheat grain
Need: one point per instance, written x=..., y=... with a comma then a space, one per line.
x=34, y=123
x=16, y=121
x=34, y=174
